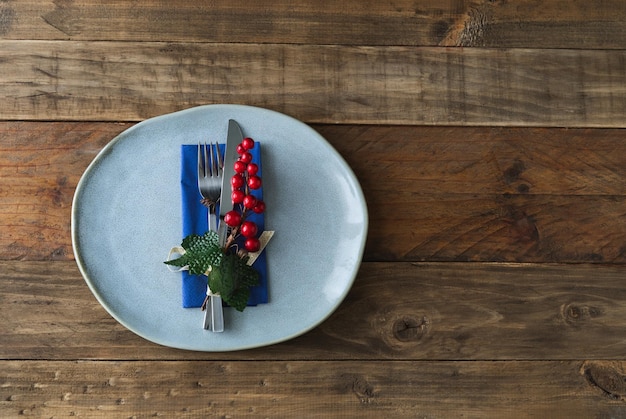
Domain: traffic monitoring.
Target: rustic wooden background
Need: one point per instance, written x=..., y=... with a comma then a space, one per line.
x=493, y=282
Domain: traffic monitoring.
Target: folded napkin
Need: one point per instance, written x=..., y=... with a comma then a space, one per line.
x=195, y=222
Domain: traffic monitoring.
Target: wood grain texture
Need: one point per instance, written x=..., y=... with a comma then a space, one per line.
x=493, y=278
x=67, y=80
x=40, y=167
x=459, y=193
x=474, y=194
x=498, y=228
x=342, y=389
x=402, y=311
x=526, y=23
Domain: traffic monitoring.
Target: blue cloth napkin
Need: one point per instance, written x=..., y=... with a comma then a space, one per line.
x=195, y=222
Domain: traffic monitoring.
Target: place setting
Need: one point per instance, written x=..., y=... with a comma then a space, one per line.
x=219, y=228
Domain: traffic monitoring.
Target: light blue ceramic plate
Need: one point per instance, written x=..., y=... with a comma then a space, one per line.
x=126, y=215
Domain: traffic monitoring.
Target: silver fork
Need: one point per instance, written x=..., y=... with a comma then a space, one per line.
x=210, y=174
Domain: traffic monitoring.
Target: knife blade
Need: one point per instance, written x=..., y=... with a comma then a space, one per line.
x=233, y=139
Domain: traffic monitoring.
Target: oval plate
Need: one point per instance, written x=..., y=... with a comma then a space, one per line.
x=126, y=215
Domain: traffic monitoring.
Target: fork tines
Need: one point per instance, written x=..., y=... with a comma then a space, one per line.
x=210, y=159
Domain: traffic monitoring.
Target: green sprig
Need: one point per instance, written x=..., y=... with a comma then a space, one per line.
x=228, y=274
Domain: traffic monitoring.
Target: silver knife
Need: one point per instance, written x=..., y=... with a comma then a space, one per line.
x=233, y=139
x=215, y=313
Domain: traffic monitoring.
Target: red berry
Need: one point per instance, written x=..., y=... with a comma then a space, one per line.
x=249, y=229
x=232, y=218
x=237, y=181
x=245, y=157
x=252, y=244
x=252, y=169
x=237, y=196
x=240, y=149
x=249, y=201
x=240, y=166
x=248, y=143
x=259, y=207
x=254, y=182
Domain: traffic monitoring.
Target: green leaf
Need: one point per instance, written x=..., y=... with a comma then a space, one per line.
x=232, y=279
x=246, y=275
x=201, y=252
x=222, y=279
x=239, y=299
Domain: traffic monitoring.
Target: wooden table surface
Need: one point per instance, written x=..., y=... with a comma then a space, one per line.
x=488, y=136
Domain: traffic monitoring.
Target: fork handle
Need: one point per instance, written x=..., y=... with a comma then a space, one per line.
x=212, y=221
x=214, y=314
x=217, y=314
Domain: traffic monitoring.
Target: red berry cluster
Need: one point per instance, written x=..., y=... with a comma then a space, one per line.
x=243, y=182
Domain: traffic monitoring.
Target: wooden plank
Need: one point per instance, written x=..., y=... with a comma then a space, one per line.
x=473, y=160
x=40, y=166
x=284, y=389
x=434, y=311
x=526, y=23
x=52, y=80
x=459, y=194
x=516, y=228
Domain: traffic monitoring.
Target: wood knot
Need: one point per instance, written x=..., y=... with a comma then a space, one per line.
x=523, y=228
x=359, y=386
x=409, y=329
x=608, y=377
x=575, y=314
x=514, y=172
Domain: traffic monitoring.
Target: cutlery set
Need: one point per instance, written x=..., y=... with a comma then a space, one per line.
x=214, y=187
